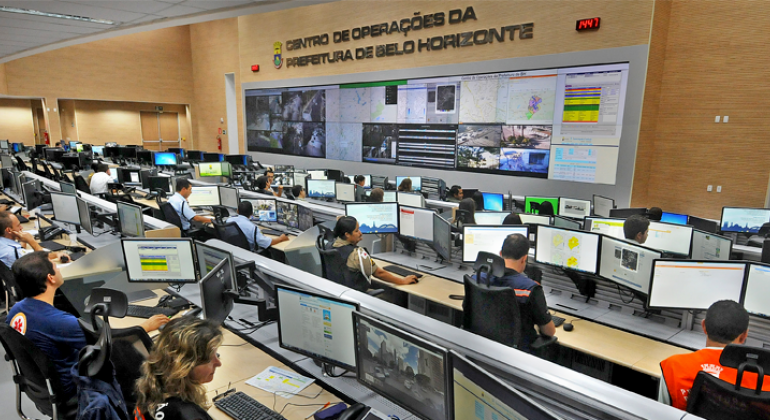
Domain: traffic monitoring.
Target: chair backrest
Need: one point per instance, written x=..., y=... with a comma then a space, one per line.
x=20, y=164
x=170, y=215
x=47, y=170
x=12, y=290
x=232, y=234
x=82, y=185
x=714, y=399
x=491, y=312
x=335, y=267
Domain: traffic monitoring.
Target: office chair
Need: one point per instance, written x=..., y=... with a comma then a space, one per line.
x=20, y=164
x=35, y=167
x=758, y=239
x=81, y=184
x=334, y=267
x=47, y=171
x=35, y=375
x=12, y=292
x=232, y=234
x=716, y=399
x=171, y=216
x=220, y=213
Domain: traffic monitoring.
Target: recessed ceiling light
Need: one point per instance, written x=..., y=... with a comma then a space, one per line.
x=56, y=15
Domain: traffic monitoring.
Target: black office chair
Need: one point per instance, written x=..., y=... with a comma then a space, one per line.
x=35, y=375
x=232, y=234
x=220, y=213
x=20, y=164
x=82, y=185
x=334, y=267
x=11, y=289
x=171, y=216
x=47, y=171
x=715, y=399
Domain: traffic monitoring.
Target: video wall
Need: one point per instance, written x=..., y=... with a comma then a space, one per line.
x=560, y=124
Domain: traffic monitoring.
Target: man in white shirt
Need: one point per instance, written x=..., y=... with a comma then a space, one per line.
x=100, y=179
x=179, y=202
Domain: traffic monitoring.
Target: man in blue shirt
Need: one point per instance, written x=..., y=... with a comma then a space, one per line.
x=14, y=238
x=179, y=202
x=257, y=241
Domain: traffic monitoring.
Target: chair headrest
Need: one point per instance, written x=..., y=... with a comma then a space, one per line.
x=115, y=301
x=94, y=360
x=490, y=263
x=734, y=355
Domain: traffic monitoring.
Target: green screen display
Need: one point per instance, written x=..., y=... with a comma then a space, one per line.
x=538, y=201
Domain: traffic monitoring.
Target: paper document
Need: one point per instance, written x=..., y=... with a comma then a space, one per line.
x=280, y=381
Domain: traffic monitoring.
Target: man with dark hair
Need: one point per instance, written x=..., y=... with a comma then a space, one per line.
x=14, y=239
x=270, y=177
x=298, y=191
x=55, y=332
x=636, y=228
x=655, y=214
x=262, y=185
x=455, y=194
x=257, y=240
x=529, y=293
x=100, y=178
x=377, y=195
x=179, y=202
x=727, y=322
x=360, y=195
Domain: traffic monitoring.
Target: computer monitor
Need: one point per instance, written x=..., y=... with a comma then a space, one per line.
x=477, y=238
x=283, y=168
x=127, y=152
x=194, y=155
x=710, y=246
x=410, y=199
x=345, y=192
x=757, y=290
x=667, y=237
x=228, y=197
x=442, y=237
x=318, y=174
x=72, y=144
x=367, y=180
x=32, y=199
x=492, y=201
x=84, y=212
x=299, y=178
x=176, y=150
x=320, y=188
x=208, y=257
x=129, y=176
x=210, y=168
x=5, y=144
x=131, y=221
x=390, y=197
x=415, y=222
x=213, y=157
x=305, y=218
x=741, y=219
x=317, y=326
x=165, y=159
x=70, y=162
x=204, y=196
x=491, y=218
x=538, y=202
x=477, y=394
x=675, y=218
x=606, y=226
x=7, y=162
x=54, y=153
x=288, y=214
x=65, y=207
x=705, y=225
x=217, y=294
x=16, y=147
x=574, y=208
x=374, y=217
x=111, y=152
x=626, y=213
x=568, y=249
x=687, y=284
x=145, y=157
x=159, y=260
x=237, y=160
x=68, y=188
x=627, y=264
x=97, y=150
x=264, y=209
x=416, y=182
x=563, y=222
x=534, y=219
x=161, y=182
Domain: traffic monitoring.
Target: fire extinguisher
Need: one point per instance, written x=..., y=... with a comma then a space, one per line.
x=47, y=140
x=219, y=143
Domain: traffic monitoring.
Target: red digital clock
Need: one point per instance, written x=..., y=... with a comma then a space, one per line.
x=587, y=24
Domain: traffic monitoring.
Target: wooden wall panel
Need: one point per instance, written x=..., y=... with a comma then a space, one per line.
x=16, y=121
x=100, y=122
x=3, y=83
x=214, y=53
x=69, y=129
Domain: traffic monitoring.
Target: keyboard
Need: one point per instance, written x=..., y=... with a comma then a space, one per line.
x=395, y=269
x=242, y=407
x=271, y=232
x=138, y=311
x=557, y=320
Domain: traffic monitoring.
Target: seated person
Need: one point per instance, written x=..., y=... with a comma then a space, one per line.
x=183, y=359
x=465, y=213
x=406, y=185
x=727, y=322
x=262, y=186
x=270, y=179
x=377, y=195
x=636, y=228
x=655, y=214
x=512, y=219
x=10, y=249
x=455, y=194
x=529, y=294
x=257, y=240
x=546, y=209
x=348, y=236
x=360, y=195
x=298, y=191
x=56, y=333
x=100, y=178
x=179, y=202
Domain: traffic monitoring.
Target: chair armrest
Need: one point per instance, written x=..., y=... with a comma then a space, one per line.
x=375, y=292
x=543, y=341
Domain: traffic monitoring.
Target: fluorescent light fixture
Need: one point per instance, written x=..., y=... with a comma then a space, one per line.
x=56, y=15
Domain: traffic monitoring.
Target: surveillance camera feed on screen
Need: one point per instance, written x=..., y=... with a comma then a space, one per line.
x=264, y=210
x=288, y=214
x=560, y=123
x=375, y=217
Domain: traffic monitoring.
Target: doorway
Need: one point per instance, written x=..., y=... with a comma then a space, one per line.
x=160, y=130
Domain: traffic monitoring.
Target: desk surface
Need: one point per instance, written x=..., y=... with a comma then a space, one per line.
x=430, y=287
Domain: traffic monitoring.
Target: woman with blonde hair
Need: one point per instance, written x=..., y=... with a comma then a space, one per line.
x=183, y=359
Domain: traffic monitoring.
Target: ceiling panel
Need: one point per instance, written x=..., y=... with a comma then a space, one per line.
x=212, y=5
x=179, y=10
x=136, y=6
x=9, y=22
x=91, y=10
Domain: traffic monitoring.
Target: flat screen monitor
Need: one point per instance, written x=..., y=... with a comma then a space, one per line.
x=568, y=249
x=335, y=174
x=321, y=188
x=237, y=160
x=385, y=355
x=442, y=237
x=129, y=176
x=204, y=196
x=476, y=394
x=210, y=169
x=194, y=155
x=288, y=214
x=145, y=157
x=53, y=153
x=265, y=210
x=757, y=290
x=477, y=238
x=390, y=197
x=675, y=218
x=367, y=180
x=305, y=218
x=627, y=264
x=128, y=152
x=319, y=174
x=416, y=182
x=131, y=220
x=539, y=205
x=626, y=213
x=65, y=207
x=379, y=181
x=70, y=162
x=84, y=212
x=32, y=199
x=492, y=201
x=574, y=208
x=97, y=150
x=5, y=144
x=415, y=222
x=7, y=162
x=345, y=192
x=710, y=246
x=534, y=219
x=410, y=199
x=299, y=178
x=606, y=226
x=111, y=152
x=165, y=159
x=317, y=326
x=374, y=217
x=741, y=219
x=705, y=225
x=16, y=147
x=213, y=157
x=160, y=182
x=686, y=284
x=208, y=257
x=228, y=197
x=492, y=218
x=666, y=237
x=563, y=222
x=176, y=150
x=284, y=168
x=159, y=260
x=216, y=289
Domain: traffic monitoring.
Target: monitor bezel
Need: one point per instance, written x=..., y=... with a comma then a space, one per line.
x=627, y=242
x=190, y=243
x=54, y=209
x=692, y=242
x=528, y=210
x=398, y=227
x=689, y=248
x=589, y=202
x=722, y=218
x=417, y=209
x=120, y=222
x=489, y=226
x=652, y=278
x=598, y=250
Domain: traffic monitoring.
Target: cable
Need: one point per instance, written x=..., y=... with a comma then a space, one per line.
x=299, y=405
x=621, y=295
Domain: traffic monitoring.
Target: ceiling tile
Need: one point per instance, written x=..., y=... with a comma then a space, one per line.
x=137, y=6
x=178, y=10
x=76, y=9
x=212, y=5
x=7, y=22
x=55, y=21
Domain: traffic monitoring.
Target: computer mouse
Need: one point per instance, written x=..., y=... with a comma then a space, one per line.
x=64, y=259
x=568, y=326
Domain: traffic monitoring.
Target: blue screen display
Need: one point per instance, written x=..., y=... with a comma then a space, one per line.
x=165, y=159
x=493, y=202
x=679, y=219
x=98, y=150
